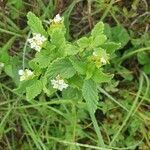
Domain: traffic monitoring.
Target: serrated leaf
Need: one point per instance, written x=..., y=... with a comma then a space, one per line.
x=111, y=47
x=34, y=90
x=90, y=70
x=90, y=95
x=78, y=65
x=98, y=29
x=58, y=38
x=35, y=24
x=62, y=67
x=59, y=28
x=34, y=65
x=44, y=58
x=83, y=42
x=76, y=81
x=71, y=49
x=100, y=77
x=98, y=40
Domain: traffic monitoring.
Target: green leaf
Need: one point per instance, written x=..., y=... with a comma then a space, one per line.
x=35, y=24
x=62, y=67
x=143, y=58
x=98, y=40
x=58, y=38
x=34, y=65
x=98, y=29
x=90, y=70
x=111, y=47
x=146, y=68
x=100, y=77
x=90, y=95
x=71, y=49
x=83, y=42
x=72, y=93
x=47, y=87
x=11, y=68
x=34, y=90
x=44, y=57
x=76, y=81
x=57, y=27
x=18, y=4
x=120, y=35
x=78, y=65
x=23, y=85
x=4, y=56
x=107, y=31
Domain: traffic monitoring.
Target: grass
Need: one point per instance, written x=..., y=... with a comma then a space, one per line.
x=52, y=124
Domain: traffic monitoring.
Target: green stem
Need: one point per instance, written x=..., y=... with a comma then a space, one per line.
x=97, y=130
x=134, y=52
x=10, y=32
x=110, y=97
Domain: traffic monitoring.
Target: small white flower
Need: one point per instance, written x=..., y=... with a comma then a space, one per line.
x=1, y=65
x=20, y=72
x=59, y=83
x=37, y=41
x=103, y=61
x=57, y=19
x=25, y=74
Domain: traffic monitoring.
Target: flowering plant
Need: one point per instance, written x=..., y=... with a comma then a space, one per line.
x=76, y=68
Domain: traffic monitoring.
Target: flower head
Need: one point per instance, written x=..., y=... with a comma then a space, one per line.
x=57, y=19
x=37, y=41
x=59, y=83
x=100, y=58
x=25, y=74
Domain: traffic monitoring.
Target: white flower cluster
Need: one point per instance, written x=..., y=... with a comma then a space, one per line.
x=103, y=60
x=25, y=74
x=37, y=41
x=59, y=83
x=57, y=19
x=1, y=65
